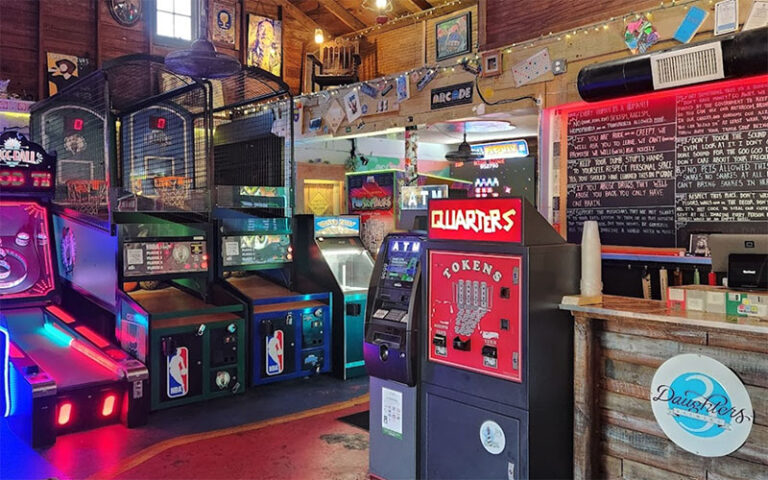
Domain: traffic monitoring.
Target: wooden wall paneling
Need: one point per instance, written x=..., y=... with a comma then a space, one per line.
x=528, y=19
x=19, y=58
x=118, y=40
x=342, y=14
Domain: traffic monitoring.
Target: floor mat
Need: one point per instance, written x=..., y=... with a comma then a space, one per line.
x=359, y=420
x=310, y=444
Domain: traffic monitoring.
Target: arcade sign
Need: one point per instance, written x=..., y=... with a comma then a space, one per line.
x=452, y=95
x=488, y=220
x=344, y=226
x=417, y=197
x=24, y=165
x=510, y=149
x=701, y=405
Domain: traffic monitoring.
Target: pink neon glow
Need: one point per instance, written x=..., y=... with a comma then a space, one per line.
x=108, y=407
x=65, y=413
x=94, y=337
x=61, y=314
x=15, y=352
x=19, y=211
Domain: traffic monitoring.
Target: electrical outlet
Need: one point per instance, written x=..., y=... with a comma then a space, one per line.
x=559, y=66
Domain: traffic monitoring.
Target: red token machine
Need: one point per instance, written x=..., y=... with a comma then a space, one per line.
x=497, y=376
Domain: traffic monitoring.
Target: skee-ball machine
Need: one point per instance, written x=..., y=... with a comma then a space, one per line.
x=496, y=382
x=391, y=356
x=58, y=374
x=330, y=257
x=136, y=212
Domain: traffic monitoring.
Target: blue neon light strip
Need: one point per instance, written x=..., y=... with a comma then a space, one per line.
x=57, y=336
x=359, y=363
x=5, y=365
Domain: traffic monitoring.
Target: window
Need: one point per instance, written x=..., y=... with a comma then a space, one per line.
x=174, y=19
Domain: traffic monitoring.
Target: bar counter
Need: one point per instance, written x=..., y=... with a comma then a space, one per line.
x=618, y=345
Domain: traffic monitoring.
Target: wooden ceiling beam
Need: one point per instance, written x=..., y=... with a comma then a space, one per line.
x=416, y=6
x=342, y=14
x=297, y=14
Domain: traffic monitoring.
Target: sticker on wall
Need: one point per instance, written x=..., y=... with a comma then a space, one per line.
x=726, y=17
x=492, y=437
x=177, y=369
x=701, y=405
x=690, y=24
x=425, y=79
x=758, y=16
x=403, y=85
x=532, y=68
x=392, y=412
x=369, y=90
x=298, y=117
x=334, y=116
x=352, y=105
x=640, y=35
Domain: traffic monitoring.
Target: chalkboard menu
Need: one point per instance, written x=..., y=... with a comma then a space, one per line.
x=655, y=168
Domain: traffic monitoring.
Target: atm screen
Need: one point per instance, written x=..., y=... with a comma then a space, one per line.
x=402, y=260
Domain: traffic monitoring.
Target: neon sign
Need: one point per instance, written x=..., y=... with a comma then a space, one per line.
x=5, y=394
x=493, y=220
x=511, y=149
x=417, y=197
x=24, y=165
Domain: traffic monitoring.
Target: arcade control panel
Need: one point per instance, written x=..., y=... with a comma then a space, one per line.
x=475, y=312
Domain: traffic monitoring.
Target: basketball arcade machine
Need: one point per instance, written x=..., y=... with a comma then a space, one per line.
x=62, y=375
x=146, y=222
x=289, y=332
x=496, y=377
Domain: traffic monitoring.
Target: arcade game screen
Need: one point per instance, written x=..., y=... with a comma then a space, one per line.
x=164, y=257
x=402, y=261
x=255, y=250
x=26, y=268
x=349, y=261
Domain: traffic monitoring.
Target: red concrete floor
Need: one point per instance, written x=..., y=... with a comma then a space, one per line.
x=88, y=454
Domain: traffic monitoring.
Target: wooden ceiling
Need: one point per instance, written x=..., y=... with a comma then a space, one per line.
x=339, y=17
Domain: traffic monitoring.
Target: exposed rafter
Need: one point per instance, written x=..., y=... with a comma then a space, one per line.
x=342, y=14
x=416, y=6
x=296, y=13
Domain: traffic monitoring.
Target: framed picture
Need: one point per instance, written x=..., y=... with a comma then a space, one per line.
x=265, y=44
x=699, y=245
x=491, y=64
x=453, y=36
x=224, y=23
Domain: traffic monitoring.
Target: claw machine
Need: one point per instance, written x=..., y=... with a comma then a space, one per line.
x=132, y=220
x=330, y=256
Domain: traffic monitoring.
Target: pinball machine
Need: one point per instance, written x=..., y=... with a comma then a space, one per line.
x=133, y=219
x=59, y=375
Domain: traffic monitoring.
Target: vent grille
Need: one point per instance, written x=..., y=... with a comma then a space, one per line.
x=702, y=63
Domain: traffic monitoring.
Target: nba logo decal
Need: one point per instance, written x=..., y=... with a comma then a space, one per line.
x=178, y=377
x=275, y=353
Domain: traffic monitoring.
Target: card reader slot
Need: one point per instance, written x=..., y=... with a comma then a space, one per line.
x=381, y=338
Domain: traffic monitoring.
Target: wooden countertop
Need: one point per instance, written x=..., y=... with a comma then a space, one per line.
x=258, y=288
x=657, y=311
x=166, y=300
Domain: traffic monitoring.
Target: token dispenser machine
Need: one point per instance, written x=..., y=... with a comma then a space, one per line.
x=496, y=381
x=332, y=258
x=392, y=323
x=133, y=223
x=58, y=375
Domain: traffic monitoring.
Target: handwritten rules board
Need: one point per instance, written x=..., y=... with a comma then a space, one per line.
x=653, y=169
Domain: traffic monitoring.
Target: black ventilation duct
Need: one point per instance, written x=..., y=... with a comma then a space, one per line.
x=743, y=54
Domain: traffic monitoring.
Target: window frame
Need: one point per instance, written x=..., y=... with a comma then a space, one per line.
x=162, y=40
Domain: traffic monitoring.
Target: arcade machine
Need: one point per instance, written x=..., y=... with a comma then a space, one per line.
x=496, y=382
x=134, y=220
x=392, y=321
x=289, y=333
x=331, y=257
x=58, y=375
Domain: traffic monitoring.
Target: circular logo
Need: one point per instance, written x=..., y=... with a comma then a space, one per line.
x=701, y=405
x=222, y=379
x=224, y=19
x=492, y=437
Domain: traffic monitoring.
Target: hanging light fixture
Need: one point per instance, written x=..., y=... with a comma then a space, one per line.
x=201, y=60
x=319, y=38
x=381, y=7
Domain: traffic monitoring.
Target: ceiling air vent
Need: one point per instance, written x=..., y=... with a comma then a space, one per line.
x=697, y=64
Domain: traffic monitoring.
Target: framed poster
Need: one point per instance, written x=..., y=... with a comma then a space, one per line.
x=63, y=70
x=265, y=44
x=453, y=36
x=224, y=22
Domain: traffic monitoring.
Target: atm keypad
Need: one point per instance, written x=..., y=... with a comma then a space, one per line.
x=395, y=315
x=380, y=313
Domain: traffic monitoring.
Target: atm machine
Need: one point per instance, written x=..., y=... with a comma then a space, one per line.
x=496, y=384
x=58, y=374
x=391, y=350
x=330, y=257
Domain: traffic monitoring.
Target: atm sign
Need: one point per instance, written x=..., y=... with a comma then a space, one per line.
x=491, y=220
